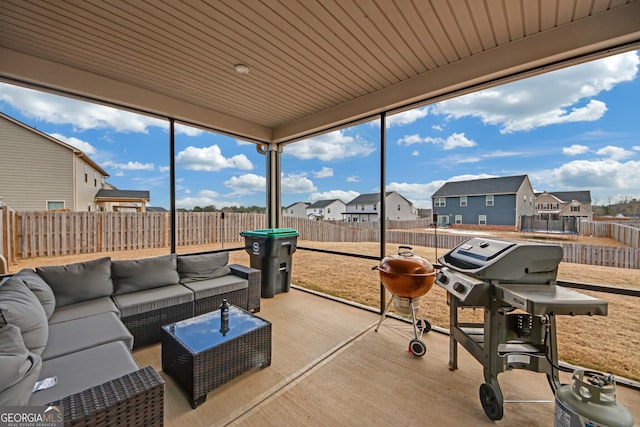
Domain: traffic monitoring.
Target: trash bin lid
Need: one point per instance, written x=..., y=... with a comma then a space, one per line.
x=271, y=232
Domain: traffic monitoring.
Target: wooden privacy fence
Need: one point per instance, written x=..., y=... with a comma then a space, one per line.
x=50, y=233
x=627, y=234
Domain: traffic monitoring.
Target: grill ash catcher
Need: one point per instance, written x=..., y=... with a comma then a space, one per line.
x=515, y=285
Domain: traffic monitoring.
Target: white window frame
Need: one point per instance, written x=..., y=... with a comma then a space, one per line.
x=482, y=220
x=458, y=219
x=463, y=201
x=55, y=201
x=440, y=202
x=489, y=200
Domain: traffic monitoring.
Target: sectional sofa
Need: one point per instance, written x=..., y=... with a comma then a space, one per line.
x=79, y=323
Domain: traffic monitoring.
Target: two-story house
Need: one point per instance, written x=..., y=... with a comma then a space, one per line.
x=326, y=210
x=484, y=202
x=366, y=208
x=557, y=204
x=39, y=172
x=297, y=209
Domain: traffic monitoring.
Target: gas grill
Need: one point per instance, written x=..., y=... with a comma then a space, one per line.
x=515, y=285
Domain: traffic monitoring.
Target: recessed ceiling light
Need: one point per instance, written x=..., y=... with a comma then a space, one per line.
x=241, y=69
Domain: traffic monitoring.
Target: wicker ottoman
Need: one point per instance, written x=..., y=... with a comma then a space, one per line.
x=201, y=355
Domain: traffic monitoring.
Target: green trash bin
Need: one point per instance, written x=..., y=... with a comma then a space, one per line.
x=270, y=250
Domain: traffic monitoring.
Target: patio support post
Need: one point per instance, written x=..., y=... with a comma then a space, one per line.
x=172, y=183
x=273, y=185
x=383, y=205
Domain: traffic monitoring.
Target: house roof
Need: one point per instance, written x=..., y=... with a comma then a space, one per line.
x=121, y=195
x=369, y=198
x=296, y=203
x=476, y=187
x=76, y=151
x=322, y=203
x=568, y=196
x=313, y=65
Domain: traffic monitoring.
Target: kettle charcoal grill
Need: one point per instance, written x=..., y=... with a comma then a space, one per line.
x=515, y=283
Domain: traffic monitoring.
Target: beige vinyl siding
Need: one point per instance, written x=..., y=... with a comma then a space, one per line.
x=86, y=191
x=33, y=169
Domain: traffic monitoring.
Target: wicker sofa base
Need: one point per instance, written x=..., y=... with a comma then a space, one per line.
x=145, y=327
x=205, y=305
x=133, y=400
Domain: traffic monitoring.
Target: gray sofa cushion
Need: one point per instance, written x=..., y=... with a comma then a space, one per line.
x=80, y=334
x=19, y=369
x=84, y=309
x=79, y=282
x=40, y=288
x=152, y=299
x=146, y=273
x=21, y=307
x=202, y=267
x=84, y=369
x=217, y=286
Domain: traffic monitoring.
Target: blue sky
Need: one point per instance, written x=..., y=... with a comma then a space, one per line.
x=572, y=129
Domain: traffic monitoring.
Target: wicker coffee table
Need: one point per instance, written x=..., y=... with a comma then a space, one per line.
x=200, y=356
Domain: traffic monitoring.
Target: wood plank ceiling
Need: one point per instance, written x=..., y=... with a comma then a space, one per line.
x=313, y=64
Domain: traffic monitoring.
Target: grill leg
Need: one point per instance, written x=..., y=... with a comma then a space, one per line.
x=413, y=318
x=384, y=313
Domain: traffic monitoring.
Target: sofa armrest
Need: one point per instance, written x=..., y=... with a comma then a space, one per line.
x=135, y=399
x=253, y=276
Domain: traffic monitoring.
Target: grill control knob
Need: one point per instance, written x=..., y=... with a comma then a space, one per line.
x=459, y=287
x=443, y=279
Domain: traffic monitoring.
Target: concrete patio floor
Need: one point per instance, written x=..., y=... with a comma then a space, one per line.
x=330, y=367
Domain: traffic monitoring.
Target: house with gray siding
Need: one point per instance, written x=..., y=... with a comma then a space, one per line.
x=484, y=202
x=39, y=172
x=366, y=208
x=297, y=209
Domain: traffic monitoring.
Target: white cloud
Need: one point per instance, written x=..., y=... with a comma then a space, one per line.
x=614, y=153
x=210, y=159
x=206, y=198
x=575, y=150
x=187, y=130
x=164, y=169
x=130, y=166
x=415, y=153
x=246, y=184
x=405, y=118
x=325, y=172
x=455, y=140
x=552, y=98
x=345, y=196
x=297, y=184
x=603, y=177
x=81, y=115
x=330, y=146
x=353, y=178
x=81, y=145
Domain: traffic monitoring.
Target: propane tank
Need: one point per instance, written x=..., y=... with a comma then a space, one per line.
x=590, y=402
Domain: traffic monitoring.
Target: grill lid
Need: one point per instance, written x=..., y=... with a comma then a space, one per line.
x=505, y=261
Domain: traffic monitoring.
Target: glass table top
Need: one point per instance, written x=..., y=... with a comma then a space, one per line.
x=205, y=331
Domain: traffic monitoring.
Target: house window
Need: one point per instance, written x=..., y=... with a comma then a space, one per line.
x=398, y=207
x=458, y=219
x=328, y=210
x=545, y=206
x=489, y=200
x=55, y=204
x=463, y=201
x=440, y=202
x=554, y=206
x=575, y=208
x=375, y=207
x=95, y=178
x=482, y=220
x=86, y=173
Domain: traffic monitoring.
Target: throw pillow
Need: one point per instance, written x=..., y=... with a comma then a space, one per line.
x=39, y=287
x=146, y=273
x=79, y=282
x=21, y=308
x=202, y=267
x=19, y=369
